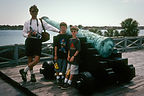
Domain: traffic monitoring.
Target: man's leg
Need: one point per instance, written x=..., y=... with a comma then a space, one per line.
x=31, y=65
x=23, y=72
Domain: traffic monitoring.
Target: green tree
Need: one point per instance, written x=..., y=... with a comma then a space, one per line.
x=116, y=33
x=95, y=30
x=111, y=32
x=106, y=34
x=130, y=27
x=80, y=26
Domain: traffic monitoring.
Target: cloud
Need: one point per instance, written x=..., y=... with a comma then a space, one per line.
x=135, y=1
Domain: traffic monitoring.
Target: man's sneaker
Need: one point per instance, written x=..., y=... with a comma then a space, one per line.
x=33, y=79
x=65, y=86
x=23, y=75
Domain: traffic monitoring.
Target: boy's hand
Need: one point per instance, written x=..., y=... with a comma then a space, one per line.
x=68, y=58
x=72, y=59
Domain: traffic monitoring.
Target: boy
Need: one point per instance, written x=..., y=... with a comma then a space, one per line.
x=73, y=52
x=60, y=52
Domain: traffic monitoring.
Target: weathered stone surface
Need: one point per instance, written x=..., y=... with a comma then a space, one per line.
x=48, y=88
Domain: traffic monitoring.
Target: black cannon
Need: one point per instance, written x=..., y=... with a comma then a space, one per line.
x=99, y=59
x=102, y=71
x=48, y=70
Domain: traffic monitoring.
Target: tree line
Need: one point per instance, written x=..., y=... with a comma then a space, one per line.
x=129, y=28
x=11, y=27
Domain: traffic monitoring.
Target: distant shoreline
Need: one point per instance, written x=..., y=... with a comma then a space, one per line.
x=20, y=27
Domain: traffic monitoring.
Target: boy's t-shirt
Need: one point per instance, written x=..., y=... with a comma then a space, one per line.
x=74, y=45
x=61, y=41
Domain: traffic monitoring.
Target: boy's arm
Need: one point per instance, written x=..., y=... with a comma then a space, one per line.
x=72, y=58
x=55, y=47
x=68, y=53
x=68, y=58
x=76, y=53
x=78, y=47
x=55, y=55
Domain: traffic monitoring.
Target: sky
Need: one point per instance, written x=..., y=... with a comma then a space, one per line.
x=74, y=12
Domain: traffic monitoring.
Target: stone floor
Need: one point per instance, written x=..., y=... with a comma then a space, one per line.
x=48, y=88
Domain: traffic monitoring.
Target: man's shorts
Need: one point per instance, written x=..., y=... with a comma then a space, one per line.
x=33, y=47
x=73, y=69
x=62, y=64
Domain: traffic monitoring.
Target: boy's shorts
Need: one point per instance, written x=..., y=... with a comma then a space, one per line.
x=62, y=64
x=73, y=69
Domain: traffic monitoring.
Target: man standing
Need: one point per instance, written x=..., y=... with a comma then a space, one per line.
x=32, y=31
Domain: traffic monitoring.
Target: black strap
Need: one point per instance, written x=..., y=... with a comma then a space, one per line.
x=42, y=25
x=31, y=22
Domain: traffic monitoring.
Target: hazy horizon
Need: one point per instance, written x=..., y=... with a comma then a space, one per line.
x=75, y=12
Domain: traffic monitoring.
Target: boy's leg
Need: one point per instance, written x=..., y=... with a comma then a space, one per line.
x=67, y=73
x=57, y=72
x=70, y=79
x=65, y=84
x=64, y=67
x=74, y=71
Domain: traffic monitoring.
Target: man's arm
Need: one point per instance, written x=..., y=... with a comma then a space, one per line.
x=25, y=30
x=26, y=33
x=50, y=27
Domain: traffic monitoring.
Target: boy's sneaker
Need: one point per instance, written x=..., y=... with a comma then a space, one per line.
x=33, y=79
x=23, y=75
x=65, y=86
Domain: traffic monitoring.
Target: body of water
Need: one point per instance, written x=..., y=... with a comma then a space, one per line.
x=11, y=37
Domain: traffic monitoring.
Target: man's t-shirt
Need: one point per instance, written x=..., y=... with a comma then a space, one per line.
x=61, y=41
x=74, y=45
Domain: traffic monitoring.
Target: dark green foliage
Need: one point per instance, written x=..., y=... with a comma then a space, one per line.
x=130, y=27
x=80, y=26
x=111, y=33
x=95, y=30
x=8, y=27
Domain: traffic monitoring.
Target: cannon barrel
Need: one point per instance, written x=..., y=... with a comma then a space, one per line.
x=104, y=45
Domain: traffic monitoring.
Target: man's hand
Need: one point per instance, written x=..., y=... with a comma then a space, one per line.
x=34, y=33
x=29, y=34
